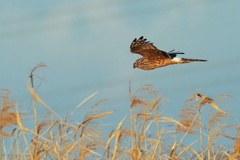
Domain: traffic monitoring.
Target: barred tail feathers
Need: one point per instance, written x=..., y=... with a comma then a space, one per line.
x=187, y=60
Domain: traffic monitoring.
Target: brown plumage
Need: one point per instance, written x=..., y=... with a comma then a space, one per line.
x=153, y=57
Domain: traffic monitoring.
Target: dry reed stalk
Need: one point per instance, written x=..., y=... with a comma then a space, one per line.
x=23, y=133
x=40, y=149
x=213, y=119
x=89, y=117
x=209, y=100
x=66, y=136
x=131, y=116
x=40, y=100
x=80, y=104
x=236, y=148
x=215, y=131
x=40, y=65
x=158, y=128
x=75, y=148
x=145, y=87
x=35, y=120
x=7, y=117
x=86, y=131
x=145, y=116
x=145, y=112
x=200, y=124
x=137, y=102
x=186, y=147
x=116, y=133
x=35, y=96
x=142, y=133
x=188, y=117
x=236, y=151
x=96, y=104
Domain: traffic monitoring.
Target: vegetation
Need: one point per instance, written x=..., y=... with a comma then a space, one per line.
x=146, y=134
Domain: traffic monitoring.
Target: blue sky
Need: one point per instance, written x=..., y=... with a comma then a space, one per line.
x=85, y=45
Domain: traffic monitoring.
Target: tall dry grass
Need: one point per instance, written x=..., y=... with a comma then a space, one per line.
x=7, y=117
x=146, y=133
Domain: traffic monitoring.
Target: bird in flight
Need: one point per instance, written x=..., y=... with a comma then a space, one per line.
x=153, y=57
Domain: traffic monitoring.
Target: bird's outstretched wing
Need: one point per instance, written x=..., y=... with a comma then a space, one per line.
x=147, y=49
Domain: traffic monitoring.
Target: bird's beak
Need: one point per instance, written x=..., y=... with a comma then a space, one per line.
x=134, y=66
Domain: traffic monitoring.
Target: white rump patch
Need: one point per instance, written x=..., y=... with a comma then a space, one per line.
x=177, y=59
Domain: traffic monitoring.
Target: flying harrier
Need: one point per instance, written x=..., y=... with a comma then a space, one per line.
x=153, y=57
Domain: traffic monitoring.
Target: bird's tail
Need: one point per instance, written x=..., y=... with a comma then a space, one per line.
x=187, y=60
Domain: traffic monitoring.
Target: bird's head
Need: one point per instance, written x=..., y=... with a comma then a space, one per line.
x=135, y=64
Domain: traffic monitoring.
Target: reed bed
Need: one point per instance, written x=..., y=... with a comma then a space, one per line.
x=144, y=133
